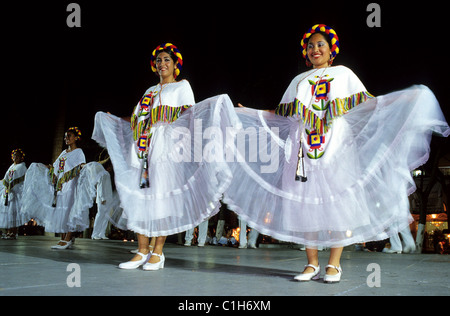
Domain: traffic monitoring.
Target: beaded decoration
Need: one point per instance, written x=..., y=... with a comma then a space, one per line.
x=175, y=51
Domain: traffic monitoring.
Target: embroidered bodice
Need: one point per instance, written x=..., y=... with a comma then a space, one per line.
x=160, y=104
x=319, y=96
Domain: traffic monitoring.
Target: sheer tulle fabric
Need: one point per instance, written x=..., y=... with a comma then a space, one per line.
x=187, y=169
x=71, y=199
x=357, y=192
x=38, y=198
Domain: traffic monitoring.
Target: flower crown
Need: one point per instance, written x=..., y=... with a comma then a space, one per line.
x=17, y=151
x=320, y=28
x=175, y=51
x=75, y=130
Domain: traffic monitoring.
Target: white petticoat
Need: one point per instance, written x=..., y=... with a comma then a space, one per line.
x=10, y=215
x=71, y=213
x=187, y=170
x=357, y=192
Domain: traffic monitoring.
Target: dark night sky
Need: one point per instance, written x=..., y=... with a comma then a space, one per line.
x=248, y=50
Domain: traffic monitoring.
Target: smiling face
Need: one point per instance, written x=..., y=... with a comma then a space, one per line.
x=165, y=67
x=319, y=52
x=70, y=139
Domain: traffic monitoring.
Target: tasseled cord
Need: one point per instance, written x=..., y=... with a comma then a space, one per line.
x=300, y=173
x=145, y=179
x=6, y=198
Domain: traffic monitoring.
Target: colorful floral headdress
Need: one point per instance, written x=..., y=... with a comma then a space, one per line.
x=17, y=151
x=175, y=51
x=320, y=28
x=75, y=130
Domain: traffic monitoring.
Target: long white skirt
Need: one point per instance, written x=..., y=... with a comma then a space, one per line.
x=72, y=203
x=357, y=192
x=10, y=215
x=187, y=170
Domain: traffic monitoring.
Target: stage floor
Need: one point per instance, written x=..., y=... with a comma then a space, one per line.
x=29, y=267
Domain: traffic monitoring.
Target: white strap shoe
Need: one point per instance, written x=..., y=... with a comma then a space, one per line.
x=304, y=277
x=333, y=278
x=68, y=244
x=155, y=266
x=129, y=265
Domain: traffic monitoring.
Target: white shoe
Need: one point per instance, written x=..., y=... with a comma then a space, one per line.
x=155, y=266
x=333, y=278
x=129, y=265
x=389, y=250
x=66, y=246
x=303, y=277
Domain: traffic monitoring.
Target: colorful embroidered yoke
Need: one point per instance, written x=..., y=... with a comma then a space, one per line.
x=317, y=98
x=66, y=168
x=159, y=104
x=14, y=176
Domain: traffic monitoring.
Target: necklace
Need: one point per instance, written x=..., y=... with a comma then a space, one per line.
x=300, y=174
x=162, y=85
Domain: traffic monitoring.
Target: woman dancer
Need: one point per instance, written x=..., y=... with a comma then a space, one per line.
x=166, y=179
x=344, y=159
x=50, y=191
x=11, y=195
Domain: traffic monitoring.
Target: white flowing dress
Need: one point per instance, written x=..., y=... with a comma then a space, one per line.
x=40, y=187
x=11, y=188
x=186, y=167
x=358, y=154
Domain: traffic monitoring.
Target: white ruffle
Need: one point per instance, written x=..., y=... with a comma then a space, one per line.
x=38, y=197
x=357, y=192
x=187, y=168
x=10, y=215
x=93, y=177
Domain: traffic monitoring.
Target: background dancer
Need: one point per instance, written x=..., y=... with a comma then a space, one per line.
x=11, y=188
x=50, y=191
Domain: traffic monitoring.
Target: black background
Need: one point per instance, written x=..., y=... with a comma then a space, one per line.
x=249, y=50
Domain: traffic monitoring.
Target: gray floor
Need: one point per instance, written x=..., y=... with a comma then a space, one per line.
x=29, y=267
